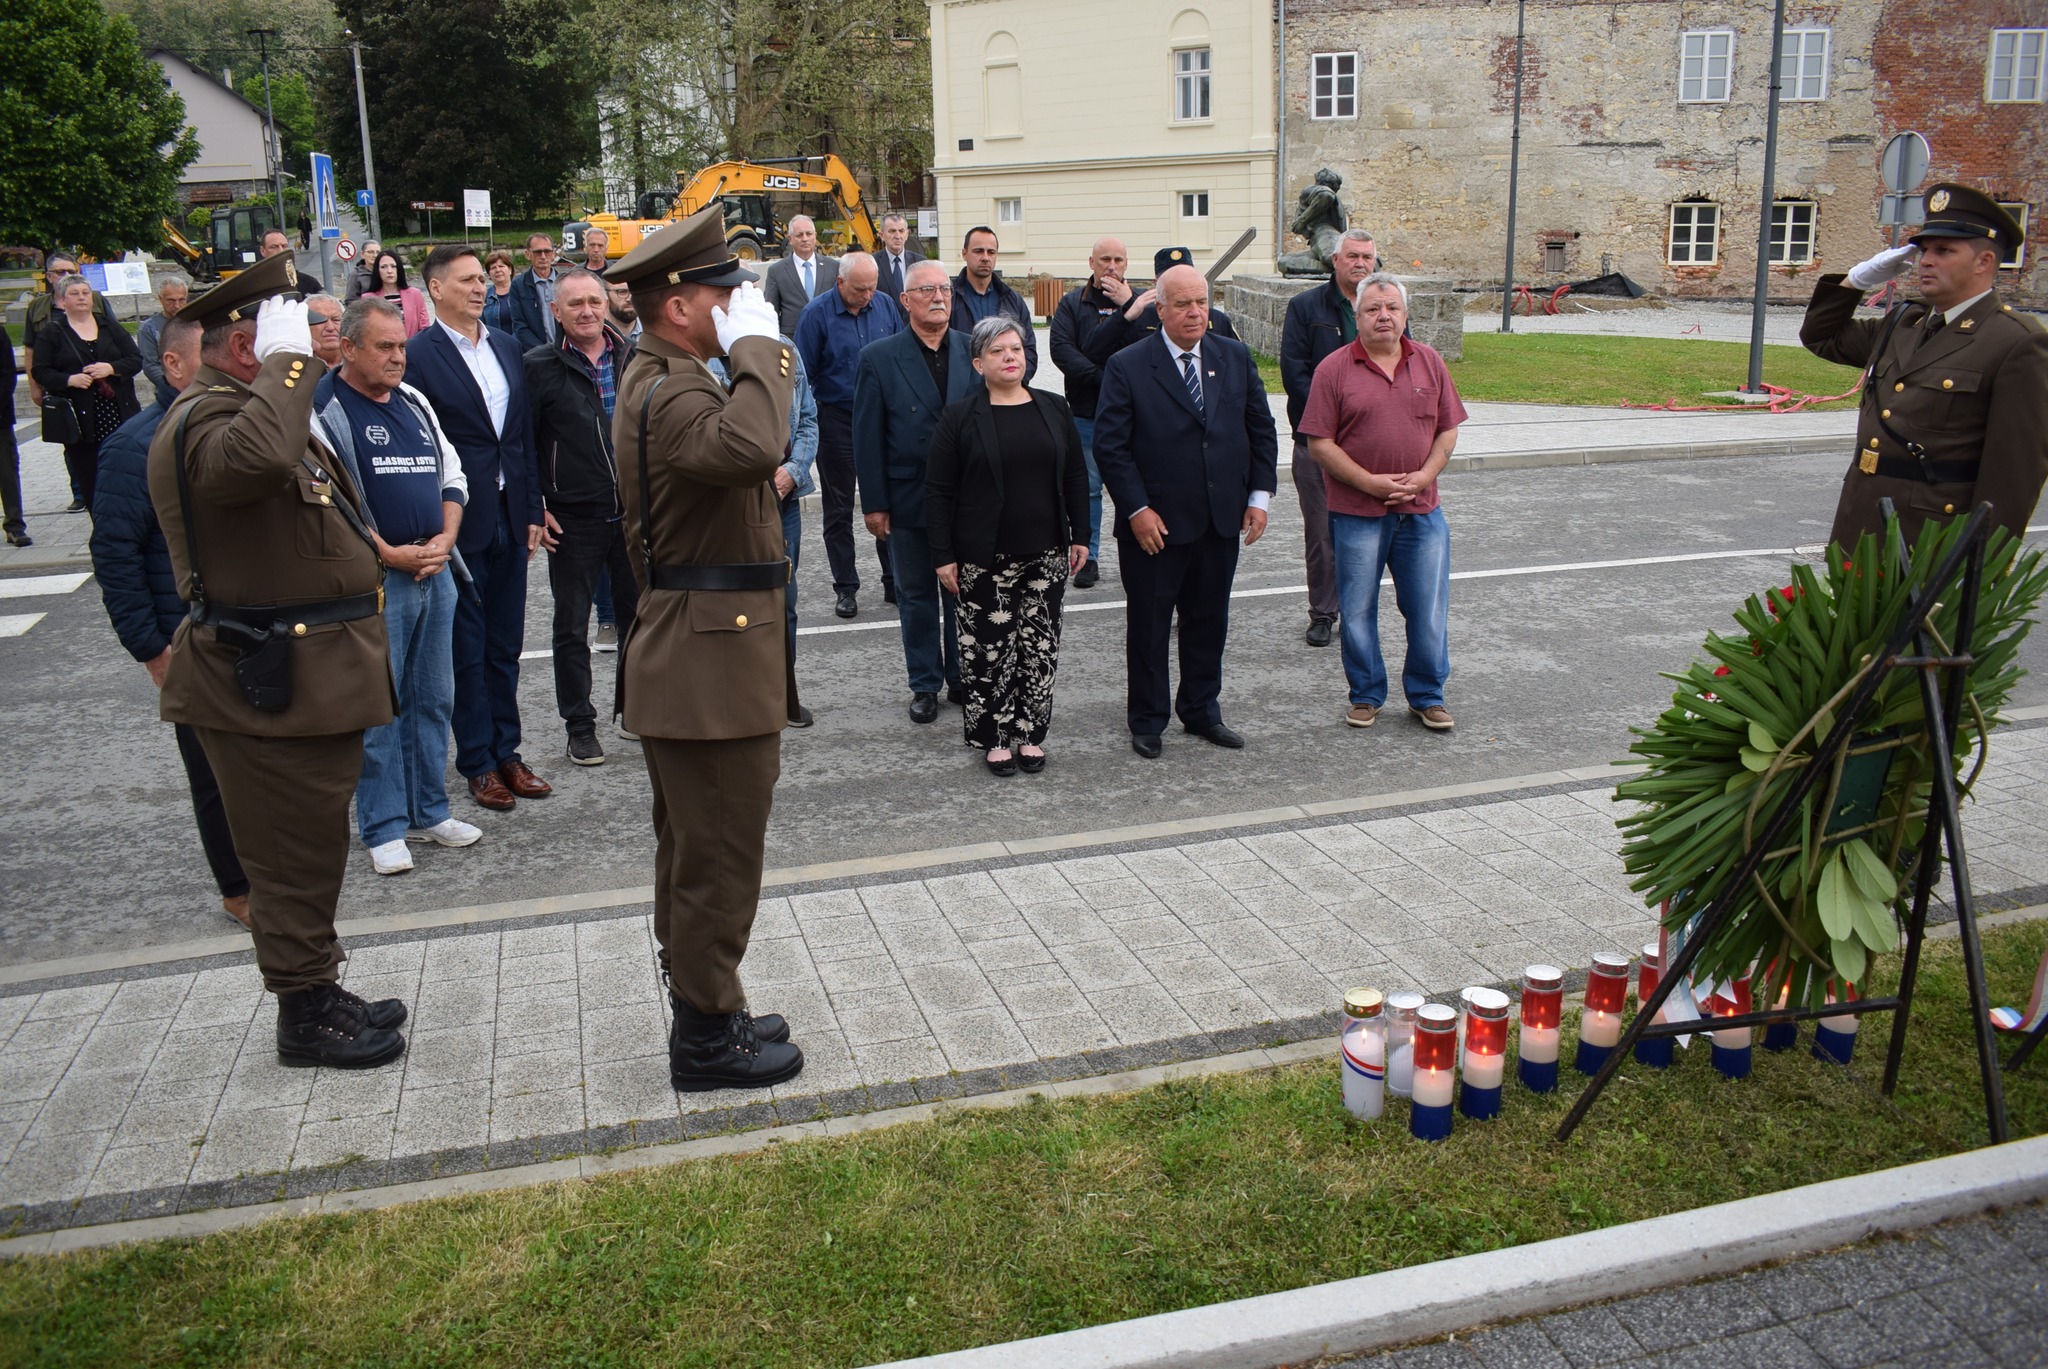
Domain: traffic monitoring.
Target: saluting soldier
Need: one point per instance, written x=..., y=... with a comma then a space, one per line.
x=282, y=662
x=1955, y=404
x=705, y=671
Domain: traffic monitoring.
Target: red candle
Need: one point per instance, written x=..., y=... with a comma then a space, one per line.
x=1607, y=983
x=1436, y=1038
x=1542, y=997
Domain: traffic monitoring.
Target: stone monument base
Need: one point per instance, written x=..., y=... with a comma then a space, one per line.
x=1257, y=306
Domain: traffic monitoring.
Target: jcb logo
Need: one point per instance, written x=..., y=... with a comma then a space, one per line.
x=648, y=230
x=781, y=183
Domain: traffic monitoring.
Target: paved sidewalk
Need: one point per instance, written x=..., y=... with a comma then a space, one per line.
x=1960, y=1296
x=144, y=1092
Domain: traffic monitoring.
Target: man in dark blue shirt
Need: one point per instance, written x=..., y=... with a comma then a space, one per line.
x=413, y=494
x=830, y=334
x=979, y=293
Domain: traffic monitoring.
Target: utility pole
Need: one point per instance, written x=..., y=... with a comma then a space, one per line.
x=263, y=37
x=1507, y=284
x=363, y=115
x=1755, y=384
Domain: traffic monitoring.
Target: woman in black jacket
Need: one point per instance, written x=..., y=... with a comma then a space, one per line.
x=1006, y=509
x=93, y=364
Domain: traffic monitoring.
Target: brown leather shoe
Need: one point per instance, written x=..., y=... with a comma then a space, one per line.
x=490, y=791
x=522, y=781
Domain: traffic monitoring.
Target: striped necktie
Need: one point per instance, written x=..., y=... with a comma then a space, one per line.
x=1192, y=377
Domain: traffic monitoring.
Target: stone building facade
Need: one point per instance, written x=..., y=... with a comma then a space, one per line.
x=1643, y=126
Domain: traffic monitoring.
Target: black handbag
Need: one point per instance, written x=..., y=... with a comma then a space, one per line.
x=60, y=421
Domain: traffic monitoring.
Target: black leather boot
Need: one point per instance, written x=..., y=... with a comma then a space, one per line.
x=769, y=1026
x=723, y=1051
x=320, y=1027
x=388, y=1013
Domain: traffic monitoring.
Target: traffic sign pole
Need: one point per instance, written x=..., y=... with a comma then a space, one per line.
x=1903, y=166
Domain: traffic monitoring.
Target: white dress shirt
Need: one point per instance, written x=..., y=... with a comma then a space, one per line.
x=489, y=375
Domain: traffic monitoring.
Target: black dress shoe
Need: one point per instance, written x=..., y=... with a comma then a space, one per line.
x=888, y=594
x=1146, y=744
x=955, y=694
x=75, y=506
x=1089, y=573
x=1003, y=768
x=845, y=605
x=20, y=539
x=1030, y=764
x=802, y=717
x=1219, y=735
x=924, y=706
x=725, y=1051
x=1319, y=630
x=320, y=1027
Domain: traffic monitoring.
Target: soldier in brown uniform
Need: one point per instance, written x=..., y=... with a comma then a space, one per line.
x=1955, y=404
x=282, y=663
x=705, y=672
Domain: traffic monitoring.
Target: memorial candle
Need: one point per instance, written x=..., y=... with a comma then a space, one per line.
x=1486, y=1052
x=1600, y=1023
x=1362, y=1049
x=1401, y=1008
x=1732, y=1052
x=1542, y=1011
x=1834, y=1038
x=1654, y=1051
x=1782, y=1036
x=1436, y=1071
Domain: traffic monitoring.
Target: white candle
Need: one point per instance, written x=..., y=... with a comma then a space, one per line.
x=1600, y=1028
x=1433, y=1088
x=1733, y=1038
x=1845, y=1024
x=1483, y=1071
x=1401, y=1070
x=1539, y=1045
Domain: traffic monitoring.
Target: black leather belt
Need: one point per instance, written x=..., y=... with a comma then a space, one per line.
x=1928, y=472
x=750, y=575
x=295, y=617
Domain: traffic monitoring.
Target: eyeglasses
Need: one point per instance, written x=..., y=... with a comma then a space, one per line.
x=928, y=290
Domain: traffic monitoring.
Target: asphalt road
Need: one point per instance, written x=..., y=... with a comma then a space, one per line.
x=1549, y=671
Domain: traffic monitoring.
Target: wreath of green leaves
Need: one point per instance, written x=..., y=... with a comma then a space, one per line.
x=1747, y=719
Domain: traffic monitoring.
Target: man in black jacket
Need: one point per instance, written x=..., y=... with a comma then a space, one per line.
x=979, y=293
x=1140, y=316
x=572, y=383
x=1081, y=311
x=1319, y=321
x=10, y=459
x=140, y=590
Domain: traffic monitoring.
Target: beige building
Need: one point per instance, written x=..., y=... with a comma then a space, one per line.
x=234, y=136
x=1059, y=121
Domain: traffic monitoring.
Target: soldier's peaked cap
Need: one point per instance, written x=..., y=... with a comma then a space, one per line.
x=238, y=299
x=1957, y=211
x=690, y=251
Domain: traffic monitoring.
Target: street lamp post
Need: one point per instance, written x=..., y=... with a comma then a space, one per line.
x=1507, y=284
x=262, y=37
x=1755, y=384
x=363, y=115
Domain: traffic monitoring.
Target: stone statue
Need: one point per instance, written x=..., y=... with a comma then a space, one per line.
x=1322, y=221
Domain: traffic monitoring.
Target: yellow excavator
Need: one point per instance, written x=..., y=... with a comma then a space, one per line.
x=759, y=198
x=234, y=233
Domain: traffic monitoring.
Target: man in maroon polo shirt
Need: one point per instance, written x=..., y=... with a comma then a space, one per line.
x=1382, y=419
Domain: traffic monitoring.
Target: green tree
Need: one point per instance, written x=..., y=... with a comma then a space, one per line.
x=214, y=35
x=92, y=139
x=291, y=100
x=490, y=94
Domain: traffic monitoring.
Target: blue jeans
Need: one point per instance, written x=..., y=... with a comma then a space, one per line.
x=405, y=762
x=792, y=543
x=931, y=647
x=1086, y=427
x=1417, y=548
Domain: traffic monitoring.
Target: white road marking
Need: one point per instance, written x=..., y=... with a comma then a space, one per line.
x=14, y=624
x=33, y=586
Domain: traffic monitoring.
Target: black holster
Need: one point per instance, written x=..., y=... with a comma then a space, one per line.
x=263, y=663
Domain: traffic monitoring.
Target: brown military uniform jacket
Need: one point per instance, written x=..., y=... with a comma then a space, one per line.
x=269, y=532
x=703, y=665
x=1976, y=391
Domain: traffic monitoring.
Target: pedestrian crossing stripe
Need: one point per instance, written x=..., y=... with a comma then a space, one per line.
x=34, y=586
x=14, y=624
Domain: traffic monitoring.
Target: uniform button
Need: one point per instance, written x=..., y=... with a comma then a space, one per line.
x=1884, y=413
x=325, y=499
x=1898, y=387
x=1948, y=384
x=298, y=629
x=1873, y=442
x=289, y=383
x=1948, y=508
x=740, y=621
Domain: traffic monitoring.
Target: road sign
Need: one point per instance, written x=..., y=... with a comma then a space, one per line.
x=476, y=209
x=326, y=212
x=1904, y=163
x=364, y=199
x=433, y=204
x=1897, y=210
x=345, y=249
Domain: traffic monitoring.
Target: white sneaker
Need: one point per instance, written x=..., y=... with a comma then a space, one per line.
x=391, y=858
x=447, y=832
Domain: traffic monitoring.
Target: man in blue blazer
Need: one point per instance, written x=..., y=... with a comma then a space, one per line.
x=1187, y=448
x=533, y=295
x=899, y=386
x=476, y=381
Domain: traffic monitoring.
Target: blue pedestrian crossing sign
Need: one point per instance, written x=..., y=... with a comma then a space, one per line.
x=326, y=211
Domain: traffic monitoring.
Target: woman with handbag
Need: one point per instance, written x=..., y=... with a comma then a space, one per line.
x=87, y=368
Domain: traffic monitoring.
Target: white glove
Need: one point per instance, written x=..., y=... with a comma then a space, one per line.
x=750, y=316
x=281, y=327
x=1887, y=265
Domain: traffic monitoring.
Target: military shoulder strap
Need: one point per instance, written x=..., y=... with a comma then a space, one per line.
x=185, y=510
x=647, y=485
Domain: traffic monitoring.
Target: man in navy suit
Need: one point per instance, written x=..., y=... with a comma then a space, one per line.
x=895, y=256
x=476, y=381
x=1187, y=449
x=899, y=386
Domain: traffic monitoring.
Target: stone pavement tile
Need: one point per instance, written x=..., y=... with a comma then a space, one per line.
x=1221, y=1010
x=997, y=929
x=1327, y=883
x=247, y=1142
x=50, y=1034
x=1091, y=869
x=1514, y=816
x=118, y=1046
x=444, y=1118
x=1067, y=1034
x=1439, y=968
x=395, y=957
x=1190, y=969
x=848, y=933
x=86, y=1103
x=1842, y=1338
x=1162, y=865
x=950, y=988
x=13, y=1011
x=1001, y=955
x=1411, y=886
x=1200, y=901
x=183, y=1120
x=518, y=942
x=1124, y=891
x=339, y=1094
x=1064, y=924
x=1792, y=1291
x=1865, y=1272
x=457, y=1055
x=619, y=1033
x=1281, y=905
x=1141, y=1013
x=1033, y=883
x=1591, y=1336
x=630, y=938
x=1247, y=942
x=461, y=957
x=1099, y=966
x=1443, y=1355
x=883, y=1062
x=546, y=967
x=981, y=1040
x=1482, y=840
x=536, y=1114
x=1506, y=960
x=922, y=942
x=346, y=1141
x=1132, y=912
x=259, y=1080
x=970, y=900
x=536, y=1072
x=200, y=1054
x=1771, y=1347
x=1411, y=836
x=230, y=1010
x=631, y=1089
x=446, y=1003
x=138, y=1000
x=1242, y=877
x=1154, y=932
x=1508, y=902
x=780, y=961
x=1531, y=871
x=52, y=1169
x=1351, y=847
x=89, y=1000
x=909, y=901
x=1907, y=1322
x=1520, y=1346
x=1292, y=989
x=879, y=1015
x=858, y=974
x=1220, y=851
x=827, y=903
x=2026, y=1228
x=829, y=1065
x=1029, y=1001
x=1685, y=1316
x=126, y=1169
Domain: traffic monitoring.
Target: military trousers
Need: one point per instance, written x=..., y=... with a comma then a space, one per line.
x=287, y=805
x=711, y=802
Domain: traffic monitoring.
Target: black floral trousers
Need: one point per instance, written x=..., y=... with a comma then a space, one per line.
x=1010, y=647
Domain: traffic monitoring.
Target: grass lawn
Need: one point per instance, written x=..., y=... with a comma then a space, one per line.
x=1565, y=368
x=981, y=1227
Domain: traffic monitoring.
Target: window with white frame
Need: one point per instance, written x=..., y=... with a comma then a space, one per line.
x=1190, y=85
x=1695, y=234
x=1009, y=213
x=1704, y=59
x=1803, y=65
x=2014, y=77
x=1333, y=85
x=2009, y=255
x=1194, y=204
x=1792, y=233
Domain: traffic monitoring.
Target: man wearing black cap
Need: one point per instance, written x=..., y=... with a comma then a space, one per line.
x=1140, y=317
x=704, y=671
x=283, y=661
x=1955, y=403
